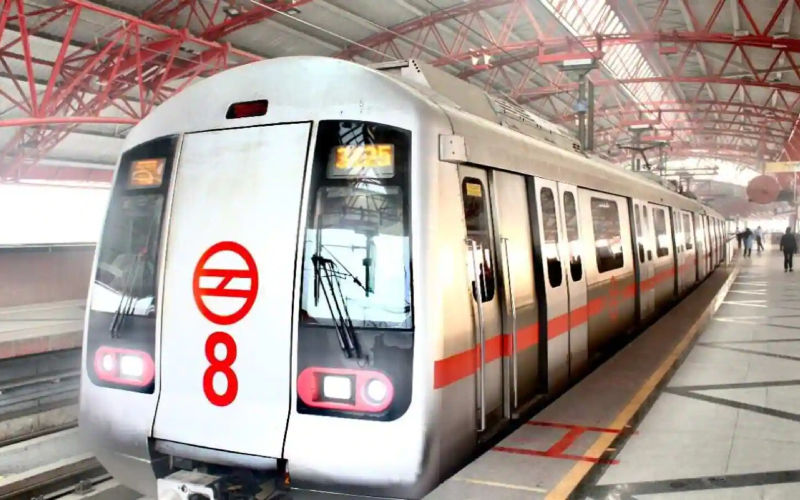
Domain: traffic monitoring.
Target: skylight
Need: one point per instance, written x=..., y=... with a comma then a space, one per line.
x=587, y=17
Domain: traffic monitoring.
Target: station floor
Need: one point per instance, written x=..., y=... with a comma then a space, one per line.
x=719, y=417
x=727, y=424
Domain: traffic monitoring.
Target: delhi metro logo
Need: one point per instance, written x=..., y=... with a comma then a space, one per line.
x=225, y=283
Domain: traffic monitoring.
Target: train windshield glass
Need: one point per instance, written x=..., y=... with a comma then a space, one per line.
x=357, y=257
x=125, y=281
x=127, y=262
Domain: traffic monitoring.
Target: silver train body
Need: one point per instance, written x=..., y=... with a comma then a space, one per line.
x=356, y=275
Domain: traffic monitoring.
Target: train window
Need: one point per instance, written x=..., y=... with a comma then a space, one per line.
x=638, y=224
x=687, y=231
x=607, y=234
x=476, y=214
x=573, y=237
x=550, y=232
x=662, y=239
x=357, y=259
x=678, y=234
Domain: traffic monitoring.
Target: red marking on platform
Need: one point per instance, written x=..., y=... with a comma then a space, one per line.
x=570, y=426
x=536, y=453
x=559, y=447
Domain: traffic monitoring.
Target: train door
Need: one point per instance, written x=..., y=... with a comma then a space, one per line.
x=610, y=275
x=555, y=284
x=644, y=255
x=700, y=246
x=488, y=315
x=572, y=250
x=225, y=356
x=709, y=245
x=691, y=251
x=520, y=319
x=680, y=254
x=664, y=284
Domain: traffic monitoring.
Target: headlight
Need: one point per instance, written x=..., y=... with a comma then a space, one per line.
x=376, y=391
x=108, y=362
x=337, y=387
x=131, y=366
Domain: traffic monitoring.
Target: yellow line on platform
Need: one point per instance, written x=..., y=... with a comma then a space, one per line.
x=570, y=481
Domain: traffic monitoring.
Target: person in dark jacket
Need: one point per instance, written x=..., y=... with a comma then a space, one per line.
x=789, y=248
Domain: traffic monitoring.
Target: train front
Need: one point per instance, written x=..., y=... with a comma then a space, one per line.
x=252, y=307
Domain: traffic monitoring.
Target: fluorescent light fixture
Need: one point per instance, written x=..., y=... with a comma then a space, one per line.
x=640, y=126
x=572, y=63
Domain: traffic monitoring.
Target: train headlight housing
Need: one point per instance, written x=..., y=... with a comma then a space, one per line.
x=351, y=390
x=376, y=391
x=117, y=366
x=337, y=387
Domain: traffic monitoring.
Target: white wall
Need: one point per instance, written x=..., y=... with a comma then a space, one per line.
x=50, y=214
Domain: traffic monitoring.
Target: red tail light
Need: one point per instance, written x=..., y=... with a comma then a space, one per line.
x=345, y=390
x=124, y=366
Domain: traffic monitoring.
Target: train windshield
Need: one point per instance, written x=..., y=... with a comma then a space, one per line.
x=357, y=256
x=125, y=281
x=127, y=262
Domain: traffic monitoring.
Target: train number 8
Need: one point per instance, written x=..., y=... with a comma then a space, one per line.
x=222, y=366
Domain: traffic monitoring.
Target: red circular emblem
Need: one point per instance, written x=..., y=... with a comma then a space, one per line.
x=226, y=312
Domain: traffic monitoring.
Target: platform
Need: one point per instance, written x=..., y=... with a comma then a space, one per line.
x=572, y=443
x=37, y=328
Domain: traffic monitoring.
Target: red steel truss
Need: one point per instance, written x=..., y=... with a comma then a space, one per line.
x=130, y=68
x=118, y=75
x=502, y=51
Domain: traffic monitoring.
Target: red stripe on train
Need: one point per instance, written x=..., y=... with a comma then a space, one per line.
x=453, y=368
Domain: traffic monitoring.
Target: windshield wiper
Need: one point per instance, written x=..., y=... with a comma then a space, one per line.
x=325, y=269
x=127, y=303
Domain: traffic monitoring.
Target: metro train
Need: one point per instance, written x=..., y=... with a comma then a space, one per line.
x=348, y=278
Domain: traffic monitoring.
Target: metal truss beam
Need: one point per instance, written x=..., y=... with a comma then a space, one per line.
x=134, y=57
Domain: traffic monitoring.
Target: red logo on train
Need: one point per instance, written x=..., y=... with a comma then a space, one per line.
x=224, y=302
x=239, y=300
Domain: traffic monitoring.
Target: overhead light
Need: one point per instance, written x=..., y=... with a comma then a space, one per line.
x=640, y=126
x=740, y=33
x=571, y=63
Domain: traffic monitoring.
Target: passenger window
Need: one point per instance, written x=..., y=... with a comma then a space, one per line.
x=476, y=215
x=687, y=231
x=607, y=234
x=678, y=234
x=571, y=221
x=660, y=225
x=638, y=224
x=550, y=231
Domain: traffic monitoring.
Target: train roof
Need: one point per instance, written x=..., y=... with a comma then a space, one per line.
x=501, y=133
x=497, y=132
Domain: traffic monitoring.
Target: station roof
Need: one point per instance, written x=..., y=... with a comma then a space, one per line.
x=716, y=79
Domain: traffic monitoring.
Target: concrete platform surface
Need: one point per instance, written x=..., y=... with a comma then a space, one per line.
x=727, y=425
x=37, y=328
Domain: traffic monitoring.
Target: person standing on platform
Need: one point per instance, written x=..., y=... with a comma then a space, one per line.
x=739, y=236
x=748, y=241
x=789, y=248
x=759, y=236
